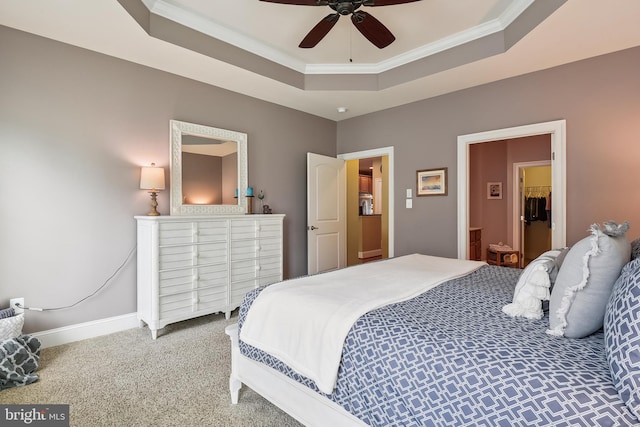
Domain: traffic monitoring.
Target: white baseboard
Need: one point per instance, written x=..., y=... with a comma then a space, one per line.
x=82, y=331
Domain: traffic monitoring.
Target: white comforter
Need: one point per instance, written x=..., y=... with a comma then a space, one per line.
x=305, y=321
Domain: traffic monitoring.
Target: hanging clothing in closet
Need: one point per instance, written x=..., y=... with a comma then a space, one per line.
x=537, y=208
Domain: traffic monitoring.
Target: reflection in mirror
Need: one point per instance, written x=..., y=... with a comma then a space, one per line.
x=209, y=171
x=207, y=166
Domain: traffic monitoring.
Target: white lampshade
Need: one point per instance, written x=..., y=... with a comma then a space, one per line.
x=152, y=178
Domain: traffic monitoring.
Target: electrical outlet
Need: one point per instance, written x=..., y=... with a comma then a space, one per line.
x=13, y=303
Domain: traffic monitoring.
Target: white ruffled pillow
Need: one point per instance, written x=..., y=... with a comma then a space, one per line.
x=533, y=287
x=11, y=327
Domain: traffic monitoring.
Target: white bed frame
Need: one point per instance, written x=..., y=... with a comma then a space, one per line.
x=305, y=405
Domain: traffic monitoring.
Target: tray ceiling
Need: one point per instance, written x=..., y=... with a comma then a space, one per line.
x=250, y=47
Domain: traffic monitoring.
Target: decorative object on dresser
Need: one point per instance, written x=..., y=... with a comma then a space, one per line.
x=261, y=197
x=189, y=266
x=249, y=200
x=152, y=179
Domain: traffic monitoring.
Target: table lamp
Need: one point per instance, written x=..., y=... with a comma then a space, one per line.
x=152, y=179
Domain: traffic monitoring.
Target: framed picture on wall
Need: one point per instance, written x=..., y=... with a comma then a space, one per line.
x=494, y=190
x=431, y=182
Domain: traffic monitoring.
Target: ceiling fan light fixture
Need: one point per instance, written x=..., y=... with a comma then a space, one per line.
x=369, y=27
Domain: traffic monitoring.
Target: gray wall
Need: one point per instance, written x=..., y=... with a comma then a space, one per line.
x=75, y=127
x=598, y=97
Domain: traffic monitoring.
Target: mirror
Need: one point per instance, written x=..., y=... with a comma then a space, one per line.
x=207, y=165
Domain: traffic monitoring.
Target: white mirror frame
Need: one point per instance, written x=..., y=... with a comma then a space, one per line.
x=178, y=129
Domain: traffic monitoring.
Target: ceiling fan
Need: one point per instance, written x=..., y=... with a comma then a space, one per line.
x=369, y=26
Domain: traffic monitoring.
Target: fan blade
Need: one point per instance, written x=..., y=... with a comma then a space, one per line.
x=372, y=29
x=385, y=2
x=299, y=2
x=318, y=32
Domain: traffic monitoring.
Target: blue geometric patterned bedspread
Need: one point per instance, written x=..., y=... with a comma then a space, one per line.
x=450, y=357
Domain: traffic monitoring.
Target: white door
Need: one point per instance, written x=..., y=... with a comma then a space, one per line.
x=326, y=213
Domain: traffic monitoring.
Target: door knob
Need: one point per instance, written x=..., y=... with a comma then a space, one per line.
x=312, y=228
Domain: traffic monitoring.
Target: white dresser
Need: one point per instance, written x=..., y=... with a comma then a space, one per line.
x=189, y=266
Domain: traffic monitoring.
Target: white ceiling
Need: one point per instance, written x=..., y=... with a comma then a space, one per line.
x=274, y=30
x=578, y=29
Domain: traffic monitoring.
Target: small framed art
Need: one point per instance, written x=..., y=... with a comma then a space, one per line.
x=494, y=190
x=431, y=182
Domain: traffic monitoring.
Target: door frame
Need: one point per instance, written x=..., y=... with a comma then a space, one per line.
x=379, y=152
x=557, y=130
x=517, y=208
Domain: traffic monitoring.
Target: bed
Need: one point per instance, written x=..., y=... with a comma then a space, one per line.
x=451, y=356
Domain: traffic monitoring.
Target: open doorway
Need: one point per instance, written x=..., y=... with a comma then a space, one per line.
x=492, y=213
x=532, y=229
x=368, y=242
x=557, y=134
x=534, y=210
x=369, y=205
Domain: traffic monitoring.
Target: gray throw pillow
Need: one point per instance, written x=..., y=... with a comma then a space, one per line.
x=586, y=277
x=621, y=332
x=559, y=260
x=635, y=249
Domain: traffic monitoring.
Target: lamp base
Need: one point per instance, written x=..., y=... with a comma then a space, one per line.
x=154, y=204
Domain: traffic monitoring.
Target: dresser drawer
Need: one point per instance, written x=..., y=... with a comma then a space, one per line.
x=268, y=280
x=245, y=229
x=270, y=228
x=188, y=255
x=270, y=247
x=176, y=281
x=176, y=305
x=244, y=249
x=252, y=229
x=212, y=299
x=175, y=233
x=211, y=276
x=211, y=253
x=238, y=291
x=211, y=231
x=180, y=233
x=244, y=270
x=172, y=257
x=269, y=267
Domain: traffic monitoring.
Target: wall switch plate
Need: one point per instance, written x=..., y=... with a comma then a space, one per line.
x=14, y=301
x=409, y=203
x=408, y=193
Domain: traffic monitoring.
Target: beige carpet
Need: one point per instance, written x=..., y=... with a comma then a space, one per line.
x=127, y=379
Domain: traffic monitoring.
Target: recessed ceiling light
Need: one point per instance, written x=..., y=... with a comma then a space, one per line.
x=342, y=109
